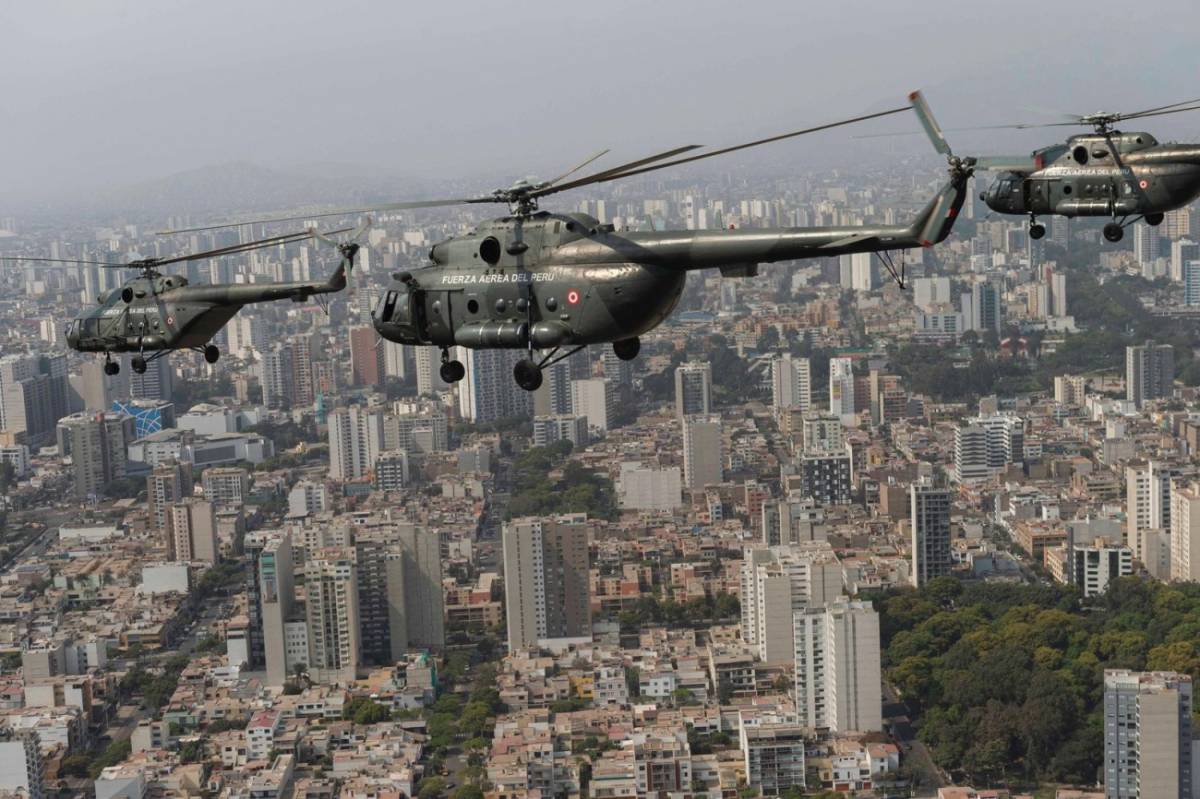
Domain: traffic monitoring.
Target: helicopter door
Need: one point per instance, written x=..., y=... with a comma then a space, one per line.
x=439, y=322
x=1035, y=195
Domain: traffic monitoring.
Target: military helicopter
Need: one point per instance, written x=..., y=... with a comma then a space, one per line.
x=156, y=313
x=540, y=280
x=1126, y=176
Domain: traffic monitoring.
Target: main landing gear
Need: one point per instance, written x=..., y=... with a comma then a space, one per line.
x=111, y=367
x=1036, y=230
x=528, y=374
x=1114, y=231
x=451, y=371
x=138, y=364
x=211, y=353
x=627, y=348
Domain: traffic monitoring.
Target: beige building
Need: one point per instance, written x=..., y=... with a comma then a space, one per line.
x=331, y=605
x=1185, y=532
x=838, y=674
x=777, y=582
x=1147, y=735
x=192, y=531
x=546, y=579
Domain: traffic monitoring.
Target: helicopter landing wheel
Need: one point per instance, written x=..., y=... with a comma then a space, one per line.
x=1036, y=231
x=627, y=348
x=111, y=368
x=1113, y=232
x=452, y=371
x=211, y=353
x=528, y=375
x=138, y=364
x=1153, y=220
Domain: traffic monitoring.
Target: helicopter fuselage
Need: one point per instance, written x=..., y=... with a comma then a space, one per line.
x=1102, y=174
x=548, y=280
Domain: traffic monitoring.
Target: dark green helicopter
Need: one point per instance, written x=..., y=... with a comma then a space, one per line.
x=1126, y=176
x=153, y=314
x=539, y=280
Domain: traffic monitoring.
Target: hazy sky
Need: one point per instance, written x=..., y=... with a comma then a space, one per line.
x=117, y=91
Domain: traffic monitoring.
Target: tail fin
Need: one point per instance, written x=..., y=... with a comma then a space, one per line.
x=337, y=281
x=936, y=219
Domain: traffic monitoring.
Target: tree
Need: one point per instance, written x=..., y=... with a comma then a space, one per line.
x=432, y=788
x=468, y=792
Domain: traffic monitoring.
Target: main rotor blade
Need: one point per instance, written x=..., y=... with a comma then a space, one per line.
x=1153, y=111
x=1007, y=163
x=599, y=177
x=930, y=125
x=324, y=214
x=106, y=264
x=234, y=249
x=1145, y=114
x=577, y=167
x=630, y=172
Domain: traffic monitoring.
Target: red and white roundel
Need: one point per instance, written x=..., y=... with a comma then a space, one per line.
x=170, y=321
x=1143, y=183
x=573, y=297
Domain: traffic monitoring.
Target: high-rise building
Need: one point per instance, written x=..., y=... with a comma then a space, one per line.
x=1182, y=251
x=167, y=484
x=34, y=395
x=423, y=602
x=21, y=764
x=1147, y=498
x=149, y=416
x=156, y=383
x=930, y=521
x=1094, y=566
x=827, y=477
x=192, y=531
x=985, y=445
x=96, y=445
x=617, y=370
x=773, y=755
x=380, y=571
x=986, y=313
x=366, y=356
x=1149, y=372
x=822, y=433
x=303, y=379
x=931, y=291
x=1070, y=389
x=391, y=470
x=226, y=486
x=1147, y=734
x=778, y=581
x=595, y=399
x=841, y=388
x=556, y=395
x=794, y=519
x=702, y=451
x=546, y=580
x=548, y=429
x=355, y=441
x=838, y=673
x=1147, y=244
x=427, y=365
x=1191, y=283
x=273, y=602
x=693, y=389
x=275, y=372
x=486, y=394
x=1058, y=293
x=791, y=383
x=1185, y=532
x=331, y=608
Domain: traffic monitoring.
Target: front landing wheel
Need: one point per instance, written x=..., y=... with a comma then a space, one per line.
x=528, y=375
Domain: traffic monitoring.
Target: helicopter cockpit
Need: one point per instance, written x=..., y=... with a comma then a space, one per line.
x=398, y=312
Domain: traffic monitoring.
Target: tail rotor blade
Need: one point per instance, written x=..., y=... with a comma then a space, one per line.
x=932, y=129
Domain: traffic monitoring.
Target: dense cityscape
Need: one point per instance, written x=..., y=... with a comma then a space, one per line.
x=826, y=535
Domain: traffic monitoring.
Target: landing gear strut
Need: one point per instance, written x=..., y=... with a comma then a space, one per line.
x=627, y=348
x=451, y=371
